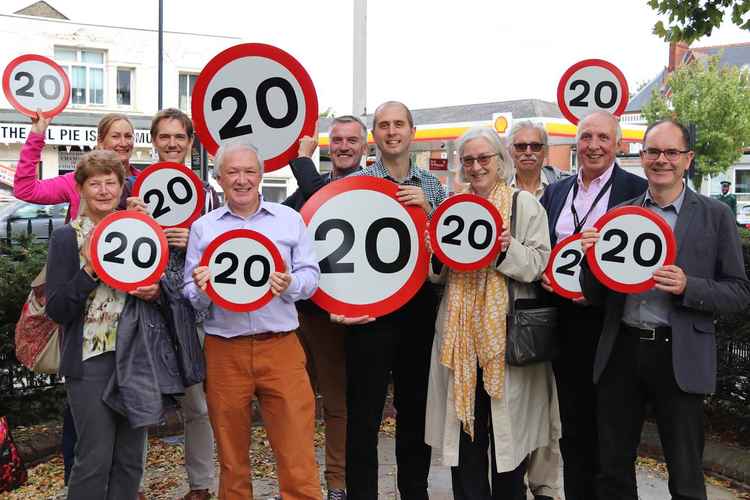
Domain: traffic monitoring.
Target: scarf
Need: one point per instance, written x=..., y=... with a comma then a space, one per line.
x=475, y=327
x=103, y=306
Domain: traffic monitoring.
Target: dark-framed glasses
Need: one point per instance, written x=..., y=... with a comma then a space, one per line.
x=669, y=154
x=521, y=147
x=483, y=160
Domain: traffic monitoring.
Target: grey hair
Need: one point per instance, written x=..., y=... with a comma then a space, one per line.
x=349, y=119
x=618, y=128
x=496, y=145
x=230, y=146
x=528, y=124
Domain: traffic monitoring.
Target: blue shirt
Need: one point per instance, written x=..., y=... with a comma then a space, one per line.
x=285, y=228
x=434, y=192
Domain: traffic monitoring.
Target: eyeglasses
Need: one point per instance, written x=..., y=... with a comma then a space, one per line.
x=669, y=154
x=520, y=147
x=483, y=160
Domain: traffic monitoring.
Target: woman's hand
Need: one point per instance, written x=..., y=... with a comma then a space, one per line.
x=39, y=123
x=505, y=239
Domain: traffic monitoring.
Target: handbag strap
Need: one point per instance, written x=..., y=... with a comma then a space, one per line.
x=513, y=210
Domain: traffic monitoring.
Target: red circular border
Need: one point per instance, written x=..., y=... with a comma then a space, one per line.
x=434, y=222
x=230, y=235
x=559, y=290
x=584, y=64
x=668, y=259
x=102, y=273
x=197, y=183
x=257, y=50
x=415, y=281
x=23, y=109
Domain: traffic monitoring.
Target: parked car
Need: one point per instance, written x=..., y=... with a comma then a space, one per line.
x=743, y=216
x=22, y=217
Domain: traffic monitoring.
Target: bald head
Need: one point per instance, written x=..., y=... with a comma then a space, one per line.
x=392, y=104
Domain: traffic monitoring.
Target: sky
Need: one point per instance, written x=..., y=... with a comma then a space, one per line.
x=425, y=53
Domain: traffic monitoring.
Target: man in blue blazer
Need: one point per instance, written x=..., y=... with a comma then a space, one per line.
x=658, y=346
x=572, y=204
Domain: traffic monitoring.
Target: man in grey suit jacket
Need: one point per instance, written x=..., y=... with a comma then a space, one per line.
x=658, y=346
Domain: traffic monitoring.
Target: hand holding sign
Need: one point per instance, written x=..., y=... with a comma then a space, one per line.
x=36, y=83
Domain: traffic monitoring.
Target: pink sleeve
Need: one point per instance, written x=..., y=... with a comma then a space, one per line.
x=27, y=187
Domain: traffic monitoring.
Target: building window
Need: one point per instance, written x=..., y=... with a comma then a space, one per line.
x=742, y=180
x=274, y=190
x=124, y=86
x=187, y=82
x=85, y=68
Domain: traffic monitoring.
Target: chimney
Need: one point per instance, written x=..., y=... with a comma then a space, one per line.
x=677, y=52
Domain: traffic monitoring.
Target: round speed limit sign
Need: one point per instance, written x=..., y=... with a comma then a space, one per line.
x=592, y=85
x=564, y=267
x=32, y=82
x=240, y=263
x=128, y=250
x=633, y=243
x=258, y=92
x=173, y=193
x=369, y=245
x=464, y=232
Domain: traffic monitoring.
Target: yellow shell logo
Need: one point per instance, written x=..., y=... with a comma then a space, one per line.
x=501, y=124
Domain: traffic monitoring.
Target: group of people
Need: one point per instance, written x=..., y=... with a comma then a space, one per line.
x=503, y=429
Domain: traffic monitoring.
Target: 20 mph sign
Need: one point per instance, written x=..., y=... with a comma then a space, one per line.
x=633, y=243
x=369, y=245
x=33, y=82
x=174, y=193
x=257, y=92
x=592, y=85
x=564, y=267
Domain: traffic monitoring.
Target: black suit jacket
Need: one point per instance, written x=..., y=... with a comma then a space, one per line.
x=710, y=253
x=624, y=187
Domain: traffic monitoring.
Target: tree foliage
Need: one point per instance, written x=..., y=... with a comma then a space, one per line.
x=717, y=100
x=691, y=19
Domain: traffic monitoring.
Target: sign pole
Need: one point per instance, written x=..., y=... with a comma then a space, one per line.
x=161, y=52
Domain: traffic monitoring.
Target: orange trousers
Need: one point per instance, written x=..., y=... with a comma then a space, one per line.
x=273, y=370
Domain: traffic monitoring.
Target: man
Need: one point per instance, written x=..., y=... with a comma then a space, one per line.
x=727, y=198
x=172, y=137
x=528, y=146
x=658, y=346
x=573, y=204
x=323, y=339
x=396, y=344
x=257, y=354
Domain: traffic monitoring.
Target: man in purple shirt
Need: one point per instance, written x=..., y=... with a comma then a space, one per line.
x=257, y=354
x=572, y=204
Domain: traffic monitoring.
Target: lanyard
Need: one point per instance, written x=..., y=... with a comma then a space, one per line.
x=580, y=222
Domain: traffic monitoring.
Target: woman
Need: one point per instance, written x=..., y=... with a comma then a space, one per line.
x=475, y=400
x=109, y=452
x=114, y=132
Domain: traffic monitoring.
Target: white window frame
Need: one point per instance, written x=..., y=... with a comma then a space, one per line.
x=68, y=65
x=132, y=86
x=188, y=75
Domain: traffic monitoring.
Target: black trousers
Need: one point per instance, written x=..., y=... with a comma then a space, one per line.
x=641, y=372
x=398, y=345
x=470, y=477
x=579, y=329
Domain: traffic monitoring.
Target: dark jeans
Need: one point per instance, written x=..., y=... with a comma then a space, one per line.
x=398, y=344
x=69, y=439
x=579, y=329
x=641, y=372
x=469, y=478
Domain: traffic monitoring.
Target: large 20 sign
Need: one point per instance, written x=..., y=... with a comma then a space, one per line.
x=32, y=82
x=240, y=263
x=128, y=250
x=369, y=245
x=592, y=85
x=633, y=243
x=464, y=232
x=257, y=92
x=173, y=193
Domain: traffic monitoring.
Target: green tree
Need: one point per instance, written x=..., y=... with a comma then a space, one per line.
x=691, y=19
x=717, y=100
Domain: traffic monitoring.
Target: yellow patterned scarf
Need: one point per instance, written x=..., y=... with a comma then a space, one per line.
x=475, y=327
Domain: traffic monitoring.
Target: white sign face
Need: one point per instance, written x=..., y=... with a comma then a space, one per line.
x=32, y=83
x=128, y=250
x=369, y=246
x=173, y=193
x=257, y=92
x=589, y=86
x=240, y=263
x=633, y=243
x=564, y=267
x=464, y=232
